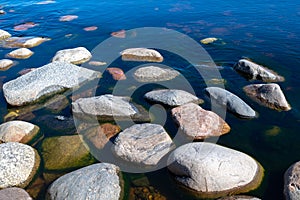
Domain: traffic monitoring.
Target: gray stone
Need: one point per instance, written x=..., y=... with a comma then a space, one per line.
x=4, y=34
x=18, y=131
x=5, y=64
x=239, y=197
x=95, y=182
x=21, y=53
x=269, y=95
x=14, y=193
x=232, y=102
x=18, y=164
x=75, y=56
x=155, y=74
x=45, y=81
x=211, y=171
x=198, y=123
x=141, y=54
x=108, y=107
x=292, y=182
x=172, y=97
x=257, y=72
x=143, y=144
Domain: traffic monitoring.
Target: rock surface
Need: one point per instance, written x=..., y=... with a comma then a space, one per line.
x=4, y=34
x=198, y=123
x=45, y=81
x=5, y=64
x=155, y=74
x=14, y=193
x=269, y=95
x=75, y=56
x=209, y=170
x=257, y=72
x=141, y=54
x=292, y=182
x=18, y=131
x=33, y=42
x=95, y=182
x=172, y=97
x=239, y=197
x=208, y=40
x=107, y=107
x=64, y=153
x=18, y=164
x=116, y=73
x=21, y=53
x=143, y=144
x=232, y=102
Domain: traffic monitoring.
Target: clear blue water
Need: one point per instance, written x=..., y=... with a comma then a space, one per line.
x=268, y=32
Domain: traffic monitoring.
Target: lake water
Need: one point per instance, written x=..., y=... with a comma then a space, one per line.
x=267, y=32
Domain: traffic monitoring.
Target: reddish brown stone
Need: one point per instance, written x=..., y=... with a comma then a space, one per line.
x=116, y=73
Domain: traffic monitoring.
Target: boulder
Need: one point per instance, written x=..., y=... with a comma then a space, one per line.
x=116, y=73
x=198, y=123
x=141, y=54
x=21, y=53
x=239, y=197
x=18, y=164
x=4, y=34
x=64, y=153
x=154, y=74
x=19, y=131
x=257, y=72
x=292, y=182
x=45, y=81
x=269, y=95
x=14, y=193
x=5, y=64
x=209, y=170
x=108, y=108
x=143, y=144
x=95, y=182
x=75, y=56
x=232, y=102
x=172, y=97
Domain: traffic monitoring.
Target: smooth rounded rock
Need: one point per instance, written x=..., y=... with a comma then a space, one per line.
x=14, y=193
x=75, y=56
x=4, y=34
x=208, y=40
x=5, y=64
x=232, y=102
x=33, y=42
x=292, y=182
x=96, y=182
x=141, y=54
x=21, y=53
x=18, y=164
x=143, y=144
x=209, y=170
x=171, y=97
x=155, y=74
x=116, y=73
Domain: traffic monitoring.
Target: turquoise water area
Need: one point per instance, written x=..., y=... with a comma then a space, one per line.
x=267, y=32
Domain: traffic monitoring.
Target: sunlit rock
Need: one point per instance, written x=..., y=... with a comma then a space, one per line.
x=141, y=54
x=75, y=56
x=5, y=64
x=4, y=34
x=22, y=53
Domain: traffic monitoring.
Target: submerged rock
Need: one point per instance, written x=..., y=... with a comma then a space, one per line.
x=47, y=80
x=209, y=170
x=14, y=193
x=4, y=34
x=141, y=54
x=116, y=73
x=22, y=53
x=143, y=144
x=18, y=164
x=18, y=42
x=33, y=42
x=239, y=197
x=172, y=97
x=25, y=26
x=67, y=18
x=257, y=72
x=155, y=74
x=198, y=123
x=5, y=64
x=292, y=182
x=146, y=192
x=208, y=40
x=75, y=56
x=232, y=102
x=269, y=95
x=95, y=182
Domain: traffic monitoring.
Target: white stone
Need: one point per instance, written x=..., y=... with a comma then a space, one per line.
x=4, y=34
x=21, y=53
x=5, y=64
x=75, y=56
x=141, y=54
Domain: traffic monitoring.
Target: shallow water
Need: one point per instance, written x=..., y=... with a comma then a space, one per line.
x=267, y=32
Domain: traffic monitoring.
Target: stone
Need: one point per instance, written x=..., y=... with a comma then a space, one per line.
x=239, y=197
x=154, y=74
x=232, y=102
x=25, y=26
x=21, y=53
x=4, y=34
x=108, y=108
x=36, y=187
x=26, y=70
x=269, y=95
x=257, y=72
x=198, y=123
x=18, y=42
x=292, y=182
x=172, y=97
x=95, y=182
x=19, y=131
x=64, y=153
x=14, y=193
x=146, y=192
x=75, y=56
x=57, y=103
x=33, y=42
x=97, y=63
x=2, y=12
x=116, y=73
x=143, y=144
x=209, y=170
x=5, y=64
x=67, y=18
x=208, y=40
x=141, y=54
x=19, y=163
x=45, y=81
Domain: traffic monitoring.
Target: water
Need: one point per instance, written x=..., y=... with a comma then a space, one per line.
x=265, y=31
